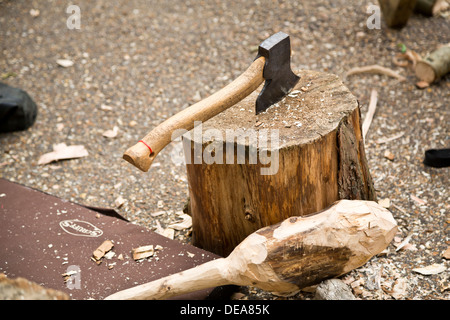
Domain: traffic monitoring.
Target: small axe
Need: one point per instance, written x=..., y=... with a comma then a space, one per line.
x=272, y=64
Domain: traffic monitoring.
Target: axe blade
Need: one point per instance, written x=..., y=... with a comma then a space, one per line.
x=279, y=78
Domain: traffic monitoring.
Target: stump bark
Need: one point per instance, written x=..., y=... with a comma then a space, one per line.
x=239, y=181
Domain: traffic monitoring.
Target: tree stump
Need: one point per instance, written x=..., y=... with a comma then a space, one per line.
x=239, y=181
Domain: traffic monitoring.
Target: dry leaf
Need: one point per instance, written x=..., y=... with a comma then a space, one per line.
x=63, y=152
x=435, y=268
x=64, y=63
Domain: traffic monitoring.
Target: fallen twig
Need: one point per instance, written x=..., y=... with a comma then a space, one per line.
x=377, y=70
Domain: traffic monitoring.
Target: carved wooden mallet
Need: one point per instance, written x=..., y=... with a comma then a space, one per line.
x=272, y=64
x=285, y=257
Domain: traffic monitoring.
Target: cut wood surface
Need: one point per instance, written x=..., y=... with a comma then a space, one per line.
x=435, y=65
x=283, y=258
x=253, y=182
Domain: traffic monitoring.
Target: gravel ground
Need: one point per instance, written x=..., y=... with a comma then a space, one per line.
x=138, y=62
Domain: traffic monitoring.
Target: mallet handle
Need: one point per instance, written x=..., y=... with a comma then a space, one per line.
x=140, y=156
x=204, y=276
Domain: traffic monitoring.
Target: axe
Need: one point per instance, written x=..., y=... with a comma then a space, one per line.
x=288, y=256
x=272, y=64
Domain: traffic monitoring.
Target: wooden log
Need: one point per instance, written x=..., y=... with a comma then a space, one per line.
x=435, y=65
x=320, y=158
x=283, y=258
x=396, y=13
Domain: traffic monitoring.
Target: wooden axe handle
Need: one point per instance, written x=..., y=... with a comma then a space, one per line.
x=144, y=152
x=283, y=258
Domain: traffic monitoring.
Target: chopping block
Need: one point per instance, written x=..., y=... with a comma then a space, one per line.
x=247, y=171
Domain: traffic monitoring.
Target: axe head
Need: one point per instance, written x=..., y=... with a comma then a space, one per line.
x=279, y=78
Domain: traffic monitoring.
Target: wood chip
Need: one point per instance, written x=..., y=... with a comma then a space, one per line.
x=389, y=155
x=158, y=213
x=446, y=254
x=169, y=233
x=119, y=201
x=106, y=107
x=385, y=203
x=63, y=152
x=64, y=63
x=435, y=268
x=422, y=84
x=35, y=13
x=102, y=249
x=186, y=223
x=111, y=133
x=143, y=252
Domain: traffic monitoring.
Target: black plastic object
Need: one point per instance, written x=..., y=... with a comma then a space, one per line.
x=438, y=158
x=17, y=110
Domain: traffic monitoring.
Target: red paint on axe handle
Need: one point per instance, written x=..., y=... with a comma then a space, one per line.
x=151, y=151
